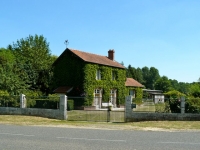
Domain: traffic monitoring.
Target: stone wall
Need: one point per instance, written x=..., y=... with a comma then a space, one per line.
x=131, y=116
x=49, y=113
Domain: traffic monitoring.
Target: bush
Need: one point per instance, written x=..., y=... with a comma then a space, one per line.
x=162, y=107
x=192, y=105
x=137, y=101
x=70, y=104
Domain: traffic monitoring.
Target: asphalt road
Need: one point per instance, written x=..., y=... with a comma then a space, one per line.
x=56, y=138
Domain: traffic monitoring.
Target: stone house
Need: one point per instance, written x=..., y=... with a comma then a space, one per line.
x=98, y=79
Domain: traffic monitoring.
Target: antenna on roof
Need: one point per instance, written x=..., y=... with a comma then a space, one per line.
x=66, y=43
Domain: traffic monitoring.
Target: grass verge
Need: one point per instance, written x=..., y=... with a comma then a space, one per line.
x=146, y=125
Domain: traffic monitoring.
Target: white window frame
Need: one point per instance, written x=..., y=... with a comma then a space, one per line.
x=113, y=75
x=98, y=74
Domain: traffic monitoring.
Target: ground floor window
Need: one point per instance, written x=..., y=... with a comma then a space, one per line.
x=132, y=93
x=97, y=98
x=113, y=97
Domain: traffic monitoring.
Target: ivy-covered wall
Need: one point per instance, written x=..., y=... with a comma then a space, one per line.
x=138, y=91
x=106, y=83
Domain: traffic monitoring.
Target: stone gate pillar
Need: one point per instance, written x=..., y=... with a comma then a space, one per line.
x=128, y=109
x=182, y=105
x=63, y=107
x=22, y=101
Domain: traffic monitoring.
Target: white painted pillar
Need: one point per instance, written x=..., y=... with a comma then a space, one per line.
x=128, y=109
x=22, y=101
x=63, y=107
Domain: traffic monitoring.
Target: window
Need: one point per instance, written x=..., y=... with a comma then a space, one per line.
x=113, y=94
x=132, y=93
x=98, y=75
x=97, y=98
x=113, y=75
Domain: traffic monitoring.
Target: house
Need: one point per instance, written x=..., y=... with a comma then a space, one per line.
x=96, y=78
x=156, y=95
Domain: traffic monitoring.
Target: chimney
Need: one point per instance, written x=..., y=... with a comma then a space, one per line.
x=111, y=54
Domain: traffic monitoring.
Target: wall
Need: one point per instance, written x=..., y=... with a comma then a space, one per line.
x=49, y=113
x=60, y=113
x=131, y=116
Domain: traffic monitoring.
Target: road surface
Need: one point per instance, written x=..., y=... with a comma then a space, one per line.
x=14, y=137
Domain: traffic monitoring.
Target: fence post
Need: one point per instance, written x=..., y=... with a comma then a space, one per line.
x=182, y=105
x=128, y=110
x=22, y=101
x=63, y=107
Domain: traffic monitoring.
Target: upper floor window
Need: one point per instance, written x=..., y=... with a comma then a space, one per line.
x=113, y=75
x=98, y=75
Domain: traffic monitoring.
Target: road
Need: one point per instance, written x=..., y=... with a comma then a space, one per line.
x=14, y=137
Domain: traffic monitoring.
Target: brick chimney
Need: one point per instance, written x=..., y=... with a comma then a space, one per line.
x=111, y=55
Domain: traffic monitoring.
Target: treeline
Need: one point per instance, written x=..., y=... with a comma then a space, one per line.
x=151, y=79
x=25, y=66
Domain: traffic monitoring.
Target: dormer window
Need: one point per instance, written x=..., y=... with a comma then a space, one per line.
x=98, y=75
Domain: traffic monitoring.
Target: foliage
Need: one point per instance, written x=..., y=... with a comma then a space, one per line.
x=192, y=105
x=173, y=94
x=162, y=107
x=34, y=60
x=70, y=104
x=137, y=101
x=90, y=82
x=10, y=73
x=195, y=90
x=163, y=84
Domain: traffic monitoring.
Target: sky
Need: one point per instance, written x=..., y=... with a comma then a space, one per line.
x=164, y=34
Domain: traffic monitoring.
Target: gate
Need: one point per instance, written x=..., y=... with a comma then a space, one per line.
x=96, y=115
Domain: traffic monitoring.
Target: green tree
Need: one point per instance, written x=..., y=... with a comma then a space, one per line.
x=153, y=77
x=163, y=84
x=195, y=90
x=138, y=75
x=10, y=73
x=145, y=74
x=34, y=58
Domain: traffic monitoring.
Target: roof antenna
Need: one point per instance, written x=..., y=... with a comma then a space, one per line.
x=66, y=43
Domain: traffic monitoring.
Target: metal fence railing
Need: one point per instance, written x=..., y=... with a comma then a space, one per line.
x=96, y=115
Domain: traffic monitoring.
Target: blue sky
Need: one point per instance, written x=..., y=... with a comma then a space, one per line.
x=155, y=33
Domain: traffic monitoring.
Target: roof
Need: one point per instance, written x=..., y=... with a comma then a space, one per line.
x=94, y=58
x=132, y=82
x=154, y=92
x=63, y=89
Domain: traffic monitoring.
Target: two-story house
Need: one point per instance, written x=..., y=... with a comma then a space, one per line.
x=97, y=78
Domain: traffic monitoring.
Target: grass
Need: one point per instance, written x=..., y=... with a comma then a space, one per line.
x=147, y=125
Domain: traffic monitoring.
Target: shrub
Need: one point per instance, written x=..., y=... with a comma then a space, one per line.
x=192, y=105
x=70, y=104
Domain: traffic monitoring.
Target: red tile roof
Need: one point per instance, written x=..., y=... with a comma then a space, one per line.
x=132, y=82
x=97, y=59
x=63, y=89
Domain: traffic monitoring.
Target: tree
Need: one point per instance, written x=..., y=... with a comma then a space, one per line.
x=195, y=90
x=10, y=73
x=34, y=58
x=145, y=74
x=163, y=84
x=153, y=77
x=139, y=76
